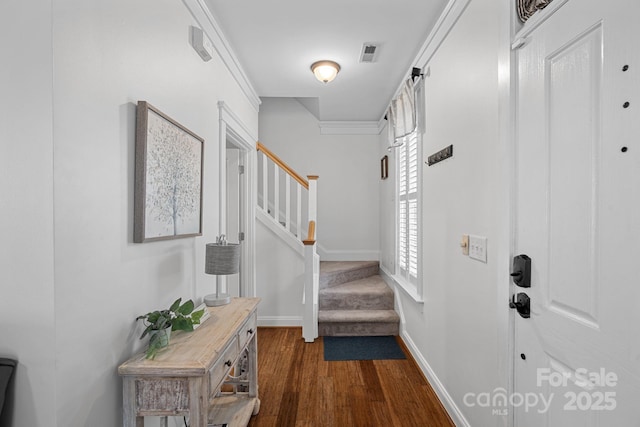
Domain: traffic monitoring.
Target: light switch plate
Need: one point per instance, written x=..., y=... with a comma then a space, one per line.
x=478, y=248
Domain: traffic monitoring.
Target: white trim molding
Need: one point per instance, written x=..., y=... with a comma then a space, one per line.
x=247, y=136
x=449, y=404
x=351, y=127
x=280, y=321
x=450, y=15
x=231, y=128
x=394, y=284
x=280, y=231
x=211, y=28
x=347, y=255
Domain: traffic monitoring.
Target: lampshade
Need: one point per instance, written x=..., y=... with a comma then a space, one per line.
x=325, y=71
x=222, y=259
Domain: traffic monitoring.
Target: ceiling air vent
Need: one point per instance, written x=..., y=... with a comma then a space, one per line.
x=369, y=52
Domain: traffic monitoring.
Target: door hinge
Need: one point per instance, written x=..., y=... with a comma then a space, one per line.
x=241, y=169
x=241, y=236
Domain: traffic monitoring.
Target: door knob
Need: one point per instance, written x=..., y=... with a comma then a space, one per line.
x=522, y=304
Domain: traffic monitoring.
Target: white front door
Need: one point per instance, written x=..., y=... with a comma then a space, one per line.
x=577, y=358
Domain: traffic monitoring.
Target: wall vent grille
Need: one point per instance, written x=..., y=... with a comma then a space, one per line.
x=369, y=52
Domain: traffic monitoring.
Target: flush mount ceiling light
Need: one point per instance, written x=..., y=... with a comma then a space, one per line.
x=325, y=71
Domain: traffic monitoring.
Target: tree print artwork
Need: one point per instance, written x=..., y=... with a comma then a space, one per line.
x=172, y=179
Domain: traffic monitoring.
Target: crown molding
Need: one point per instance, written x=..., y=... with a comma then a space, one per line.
x=209, y=25
x=450, y=16
x=443, y=26
x=351, y=127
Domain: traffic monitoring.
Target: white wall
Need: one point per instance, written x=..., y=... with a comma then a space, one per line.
x=349, y=170
x=71, y=255
x=26, y=202
x=455, y=332
x=280, y=279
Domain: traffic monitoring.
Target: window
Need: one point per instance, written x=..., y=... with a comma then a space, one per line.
x=407, y=125
x=407, y=209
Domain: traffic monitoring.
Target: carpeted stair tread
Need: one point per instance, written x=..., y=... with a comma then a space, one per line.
x=369, y=293
x=334, y=273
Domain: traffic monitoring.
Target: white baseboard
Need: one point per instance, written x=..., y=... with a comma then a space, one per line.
x=446, y=399
x=280, y=321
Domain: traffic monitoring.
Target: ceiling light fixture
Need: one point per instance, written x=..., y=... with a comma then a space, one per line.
x=325, y=71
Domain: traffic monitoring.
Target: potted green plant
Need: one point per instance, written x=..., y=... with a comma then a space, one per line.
x=160, y=323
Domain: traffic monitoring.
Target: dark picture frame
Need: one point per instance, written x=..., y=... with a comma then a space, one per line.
x=168, y=178
x=384, y=167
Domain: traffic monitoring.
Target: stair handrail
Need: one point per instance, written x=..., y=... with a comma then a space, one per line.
x=285, y=167
x=311, y=234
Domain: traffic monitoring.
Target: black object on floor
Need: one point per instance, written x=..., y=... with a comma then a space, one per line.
x=7, y=367
x=361, y=348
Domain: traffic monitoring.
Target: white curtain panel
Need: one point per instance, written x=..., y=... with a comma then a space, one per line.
x=526, y=8
x=402, y=112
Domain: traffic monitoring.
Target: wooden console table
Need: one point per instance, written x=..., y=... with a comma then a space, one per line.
x=191, y=376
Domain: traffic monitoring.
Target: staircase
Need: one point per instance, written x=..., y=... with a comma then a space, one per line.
x=281, y=207
x=355, y=301
x=339, y=298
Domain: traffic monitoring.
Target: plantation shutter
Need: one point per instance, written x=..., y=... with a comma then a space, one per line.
x=408, y=208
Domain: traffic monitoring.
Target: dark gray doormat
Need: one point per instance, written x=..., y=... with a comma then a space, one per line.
x=361, y=348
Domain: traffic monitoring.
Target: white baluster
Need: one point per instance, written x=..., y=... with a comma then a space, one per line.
x=287, y=203
x=299, y=211
x=265, y=183
x=276, y=193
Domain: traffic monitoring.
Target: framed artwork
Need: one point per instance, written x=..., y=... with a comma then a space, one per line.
x=384, y=167
x=168, y=178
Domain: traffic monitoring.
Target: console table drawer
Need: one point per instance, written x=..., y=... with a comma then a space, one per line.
x=222, y=366
x=248, y=330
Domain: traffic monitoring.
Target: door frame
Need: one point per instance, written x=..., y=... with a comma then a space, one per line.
x=235, y=132
x=507, y=124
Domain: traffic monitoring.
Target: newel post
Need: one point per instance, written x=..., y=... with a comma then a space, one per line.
x=311, y=267
x=313, y=197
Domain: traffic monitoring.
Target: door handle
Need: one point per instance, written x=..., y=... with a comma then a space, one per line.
x=522, y=304
x=522, y=271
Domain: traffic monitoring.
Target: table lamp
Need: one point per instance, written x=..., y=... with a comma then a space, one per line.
x=222, y=258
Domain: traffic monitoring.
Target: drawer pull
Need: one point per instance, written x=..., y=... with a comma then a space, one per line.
x=228, y=363
x=250, y=331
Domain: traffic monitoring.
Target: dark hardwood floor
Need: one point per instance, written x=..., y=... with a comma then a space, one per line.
x=299, y=388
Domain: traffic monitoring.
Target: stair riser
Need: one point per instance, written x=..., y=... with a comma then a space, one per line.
x=357, y=302
x=357, y=329
x=337, y=278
